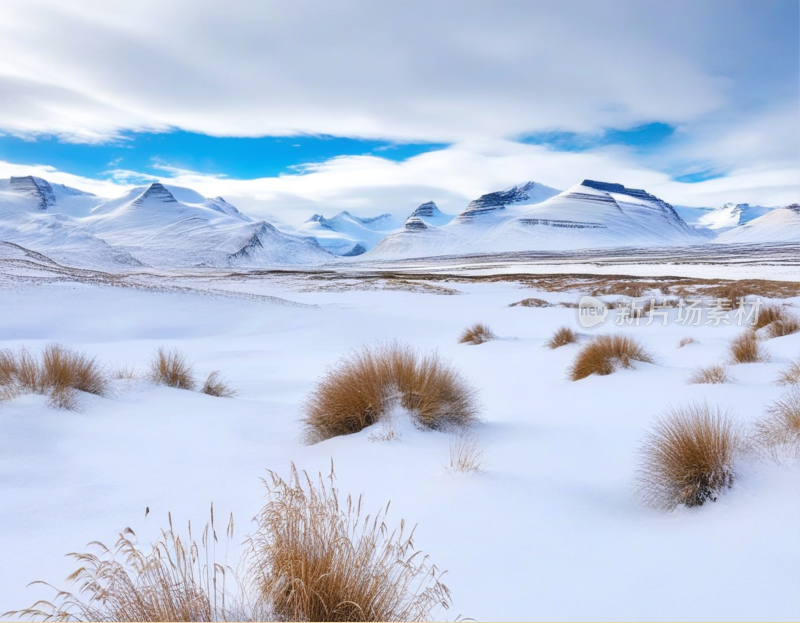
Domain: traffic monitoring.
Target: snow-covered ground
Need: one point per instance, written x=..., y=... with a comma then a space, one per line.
x=550, y=531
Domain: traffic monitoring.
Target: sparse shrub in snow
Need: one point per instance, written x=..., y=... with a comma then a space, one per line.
x=780, y=430
x=689, y=457
x=123, y=372
x=769, y=314
x=745, y=348
x=476, y=334
x=713, y=374
x=215, y=385
x=364, y=385
x=60, y=374
x=466, y=454
x=171, y=368
x=786, y=326
x=685, y=341
x=531, y=302
x=175, y=579
x=315, y=557
x=606, y=353
x=790, y=375
x=562, y=337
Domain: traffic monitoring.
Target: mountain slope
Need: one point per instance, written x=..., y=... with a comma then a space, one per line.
x=730, y=215
x=153, y=225
x=34, y=194
x=344, y=233
x=777, y=225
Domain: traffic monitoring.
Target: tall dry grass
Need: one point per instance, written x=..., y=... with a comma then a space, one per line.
x=606, y=353
x=689, y=457
x=59, y=373
x=367, y=383
x=562, y=337
x=476, y=334
x=745, y=348
x=215, y=385
x=317, y=557
x=779, y=431
x=767, y=315
x=170, y=367
x=175, y=579
x=713, y=374
x=790, y=375
x=466, y=454
x=780, y=328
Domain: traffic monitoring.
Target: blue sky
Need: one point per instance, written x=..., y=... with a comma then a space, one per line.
x=289, y=107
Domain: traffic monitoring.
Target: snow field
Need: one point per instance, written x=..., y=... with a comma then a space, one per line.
x=548, y=531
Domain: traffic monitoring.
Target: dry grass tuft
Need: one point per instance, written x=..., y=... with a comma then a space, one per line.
x=532, y=302
x=466, y=454
x=562, y=337
x=215, y=385
x=476, y=334
x=688, y=458
x=63, y=368
x=171, y=368
x=713, y=374
x=177, y=579
x=366, y=384
x=779, y=432
x=685, y=341
x=606, y=353
x=124, y=372
x=746, y=348
x=60, y=374
x=790, y=375
x=786, y=326
x=767, y=315
x=315, y=557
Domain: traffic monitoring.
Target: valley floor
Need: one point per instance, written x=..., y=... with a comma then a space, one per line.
x=549, y=531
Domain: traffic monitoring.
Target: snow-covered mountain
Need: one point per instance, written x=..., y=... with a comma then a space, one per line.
x=155, y=225
x=348, y=235
x=777, y=225
x=590, y=214
x=169, y=226
x=730, y=215
x=34, y=194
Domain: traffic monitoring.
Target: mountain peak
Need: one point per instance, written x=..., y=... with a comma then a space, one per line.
x=156, y=192
x=428, y=209
x=34, y=187
x=527, y=192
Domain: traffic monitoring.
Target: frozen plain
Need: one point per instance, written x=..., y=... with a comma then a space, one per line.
x=550, y=531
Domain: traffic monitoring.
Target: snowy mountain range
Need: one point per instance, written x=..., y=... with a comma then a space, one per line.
x=167, y=226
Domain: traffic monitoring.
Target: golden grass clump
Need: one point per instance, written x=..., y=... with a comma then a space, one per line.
x=767, y=315
x=786, y=326
x=685, y=341
x=215, y=385
x=531, y=302
x=316, y=557
x=790, y=375
x=62, y=367
x=780, y=430
x=61, y=374
x=688, y=458
x=745, y=348
x=476, y=334
x=606, y=353
x=466, y=454
x=171, y=368
x=712, y=374
x=368, y=383
x=562, y=337
x=176, y=579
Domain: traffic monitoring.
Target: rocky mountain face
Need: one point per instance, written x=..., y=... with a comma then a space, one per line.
x=36, y=188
